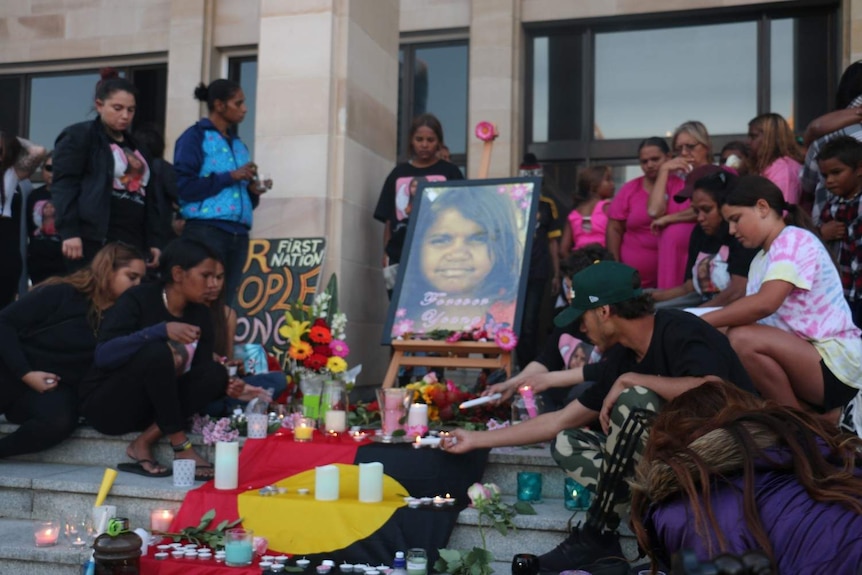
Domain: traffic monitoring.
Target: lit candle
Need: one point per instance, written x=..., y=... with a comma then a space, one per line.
x=304, y=429
x=439, y=501
x=427, y=441
x=418, y=415
x=326, y=483
x=257, y=425
x=449, y=500
x=161, y=519
x=371, y=482
x=336, y=420
x=529, y=400
x=46, y=533
x=226, y=465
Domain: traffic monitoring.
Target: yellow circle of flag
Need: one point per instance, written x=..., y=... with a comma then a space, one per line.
x=301, y=525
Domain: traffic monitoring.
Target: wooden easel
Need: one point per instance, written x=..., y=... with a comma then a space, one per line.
x=446, y=355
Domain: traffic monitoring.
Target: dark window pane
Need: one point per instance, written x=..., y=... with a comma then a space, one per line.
x=58, y=101
x=782, y=75
x=557, y=88
x=10, y=111
x=244, y=71
x=650, y=81
x=152, y=85
x=440, y=88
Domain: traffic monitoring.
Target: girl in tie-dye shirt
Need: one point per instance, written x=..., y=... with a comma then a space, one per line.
x=793, y=330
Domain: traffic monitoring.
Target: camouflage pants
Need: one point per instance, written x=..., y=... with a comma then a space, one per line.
x=584, y=455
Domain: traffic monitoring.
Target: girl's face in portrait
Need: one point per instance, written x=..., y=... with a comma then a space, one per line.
x=579, y=358
x=456, y=257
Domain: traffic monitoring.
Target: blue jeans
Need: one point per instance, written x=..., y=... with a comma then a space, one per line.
x=231, y=248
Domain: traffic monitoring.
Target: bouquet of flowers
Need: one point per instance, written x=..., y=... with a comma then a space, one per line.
x=215, y=430
x=316, y=335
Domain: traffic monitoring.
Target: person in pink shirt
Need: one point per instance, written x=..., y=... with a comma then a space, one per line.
x=588, y=220
x=775, y=154
x=629, y=237
x=674, y=221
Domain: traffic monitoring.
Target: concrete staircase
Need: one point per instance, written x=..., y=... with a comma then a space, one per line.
x=63, y=482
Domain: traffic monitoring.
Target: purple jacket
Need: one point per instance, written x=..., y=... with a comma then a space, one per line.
x=807, y=536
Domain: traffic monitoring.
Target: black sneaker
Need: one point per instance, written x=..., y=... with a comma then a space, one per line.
x=584, y=546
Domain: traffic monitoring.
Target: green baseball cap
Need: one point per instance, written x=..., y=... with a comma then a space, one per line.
x=600, y=284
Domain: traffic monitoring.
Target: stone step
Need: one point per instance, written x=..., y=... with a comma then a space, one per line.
x=19, y=556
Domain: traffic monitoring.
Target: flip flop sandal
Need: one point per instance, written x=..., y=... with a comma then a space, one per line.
x=138, y=468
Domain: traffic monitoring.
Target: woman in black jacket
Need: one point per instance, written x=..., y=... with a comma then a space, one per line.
x=47, y=340
x=101, y=178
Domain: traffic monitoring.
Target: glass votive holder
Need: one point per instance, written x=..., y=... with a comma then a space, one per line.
x=258, y=423
x=576, y=496
x=46, y=533
x=161, y=519
x=529, y=486
x=238, y=547
x=303, y=429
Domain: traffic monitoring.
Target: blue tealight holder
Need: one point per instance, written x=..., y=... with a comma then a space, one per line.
x=576, y=496
x=530, y=486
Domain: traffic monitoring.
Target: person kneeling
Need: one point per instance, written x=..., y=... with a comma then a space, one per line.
x=154, y=364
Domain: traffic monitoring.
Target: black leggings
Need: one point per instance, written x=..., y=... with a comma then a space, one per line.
x=147, y=390
x=45, y=419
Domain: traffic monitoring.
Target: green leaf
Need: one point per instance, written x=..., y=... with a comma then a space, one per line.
x=222, y=525
x=524, y=508
x=501, y=528
x=234, y=523
x=399, y=433
x=207, y=519
x=450, y=555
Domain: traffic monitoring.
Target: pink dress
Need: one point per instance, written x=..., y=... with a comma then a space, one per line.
x=598, y=226
x=639, y=247
x=784, y=173
x=673, y=241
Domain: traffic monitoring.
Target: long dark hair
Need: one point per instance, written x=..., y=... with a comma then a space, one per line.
x=589, y=180
x=749, y=189
x=185, y=253
x=94, y=280
x=682, y=448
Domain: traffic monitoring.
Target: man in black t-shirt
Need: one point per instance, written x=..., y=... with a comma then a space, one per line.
x=648, y=358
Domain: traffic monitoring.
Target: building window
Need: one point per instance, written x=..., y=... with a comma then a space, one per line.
x=243, y=71
x=438, y=77
x=595, y=89
x=40, y=105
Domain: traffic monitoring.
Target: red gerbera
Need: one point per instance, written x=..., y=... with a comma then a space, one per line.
x=323, y=350
x=315, y=361
x=320, y=334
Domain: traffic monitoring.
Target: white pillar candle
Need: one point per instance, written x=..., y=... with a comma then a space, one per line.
x=257, y=425
x=326, y=483
x=418, y=415
x=336, y=420
x=371, y=482
x=226, y=465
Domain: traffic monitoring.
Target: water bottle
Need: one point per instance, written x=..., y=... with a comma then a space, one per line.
x=399, y=566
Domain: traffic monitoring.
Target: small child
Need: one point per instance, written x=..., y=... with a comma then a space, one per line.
x=840, y=162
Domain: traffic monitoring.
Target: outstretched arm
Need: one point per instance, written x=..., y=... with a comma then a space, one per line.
x=749, y=309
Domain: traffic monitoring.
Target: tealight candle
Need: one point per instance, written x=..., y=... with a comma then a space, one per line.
x=161, y=556
x=257, y=425
x=302, y=563
x=303, y=430
x=161, y=519
x=46, y=533
x=277, y=567
x=439, y=501
x=178, y=553
x=78, y=542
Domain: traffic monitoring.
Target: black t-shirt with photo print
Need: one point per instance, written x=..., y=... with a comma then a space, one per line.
x=128, y=197
x=44, y=246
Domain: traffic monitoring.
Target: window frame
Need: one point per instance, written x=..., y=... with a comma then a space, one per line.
x=409, y=44
x=586, y=149
x=25, y=73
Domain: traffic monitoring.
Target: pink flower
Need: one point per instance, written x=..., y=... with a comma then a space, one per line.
x=519, y=192
x=430, y=377
x=450, y=386
x=494, y=424
x=486, y=131
x=416, y=430
x=456, y=336
x=505, y=339
x=339, y=348
x=401, y=312
x=402, y=327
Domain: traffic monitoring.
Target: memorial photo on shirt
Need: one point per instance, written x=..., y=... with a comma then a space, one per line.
x=465, y=266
